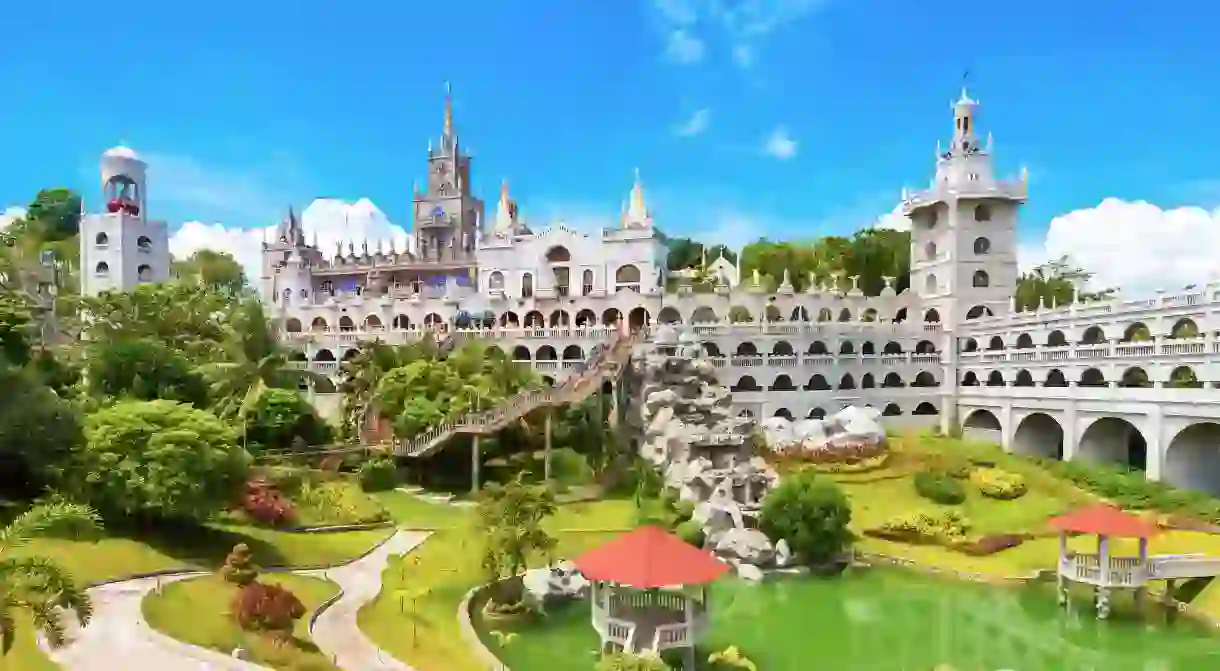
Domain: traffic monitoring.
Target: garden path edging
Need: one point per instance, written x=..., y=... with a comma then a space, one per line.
x=466, y=624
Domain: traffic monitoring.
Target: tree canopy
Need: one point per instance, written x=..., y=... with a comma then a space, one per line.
x=212, y=268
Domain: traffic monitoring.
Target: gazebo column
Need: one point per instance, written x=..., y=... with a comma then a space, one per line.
x=1103, y=590
x=1141, y=590
x=1060, y=579
x=688, y=655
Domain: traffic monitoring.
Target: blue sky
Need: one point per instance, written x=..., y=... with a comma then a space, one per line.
x=244, y=108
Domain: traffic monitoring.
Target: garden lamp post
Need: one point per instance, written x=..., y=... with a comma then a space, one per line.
x=475, y=456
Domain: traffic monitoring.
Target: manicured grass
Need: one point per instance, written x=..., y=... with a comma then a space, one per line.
x=196, y=611
x=25, y=655
x=412, y=512
x=439, y=574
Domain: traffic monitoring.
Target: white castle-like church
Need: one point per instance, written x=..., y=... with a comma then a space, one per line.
x=1136, y=382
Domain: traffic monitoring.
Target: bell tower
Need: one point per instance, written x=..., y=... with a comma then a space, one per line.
x=448, y=218
x=964, y=227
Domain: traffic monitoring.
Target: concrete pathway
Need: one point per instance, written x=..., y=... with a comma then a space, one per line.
x=335, y=631
x=118, y=637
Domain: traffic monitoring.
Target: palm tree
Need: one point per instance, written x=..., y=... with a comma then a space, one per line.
x=253, y=362
x=37, y=585
x=363, y=371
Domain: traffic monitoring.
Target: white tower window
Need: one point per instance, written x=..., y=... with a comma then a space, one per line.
x=982, y=246
x=102, y=268
x=144, y=272
x=982, y=213
x=144, y=243
x=929, y=251
x=101, y=240
x=981, y=279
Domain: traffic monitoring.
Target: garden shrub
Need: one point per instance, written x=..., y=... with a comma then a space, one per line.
x=1129, y=488
x=941, y=525
x=691, y=532
x=625, y=661
x=999, y=484
x=239, y=567
x=267, y=608
x=731, y=659
x=989, y=545
x=569, y=467
x=940, y=487
x=378, y=475
x=811, y=513
x=684, y=509
x=266, y=505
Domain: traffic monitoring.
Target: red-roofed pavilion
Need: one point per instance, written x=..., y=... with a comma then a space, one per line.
x=638, y=601
x=1103, y=570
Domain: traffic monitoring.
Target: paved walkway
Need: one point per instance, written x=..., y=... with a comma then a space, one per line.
x=335, y=631
x=118, y=637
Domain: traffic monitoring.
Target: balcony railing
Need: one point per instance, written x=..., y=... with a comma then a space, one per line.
x=1178, y=347
x=399, y=336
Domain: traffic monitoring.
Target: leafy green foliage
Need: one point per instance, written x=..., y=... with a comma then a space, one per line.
x=265, y=608
x=38, y=432
x=55, y=213
x=16, y=328
x=946, y=526
x=939, y=486
x=188, y=318
x=1130, y=489
x=157, y=459
x=691, y=532
x=283, y=419
x=213, y=269
x=378, y=475
x=143, y=369
x=1054, y=283
x=239, y=567
x=510, y=520
x=1000, y=484
x=811, y=513
x=37, y=585
x=626, y=661
x=731, y=659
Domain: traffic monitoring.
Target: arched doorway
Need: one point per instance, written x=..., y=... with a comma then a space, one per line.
x=1038, y=435
x=1114, y=440
x=1192, y=460
x=984, y=426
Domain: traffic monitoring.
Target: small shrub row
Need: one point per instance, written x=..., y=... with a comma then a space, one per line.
x=998, y=484
x=842, y=467
x=940, y=487
x=989, y=545
x=850, y=453
x=942, y=526
x=264, y=503
x=378, y=475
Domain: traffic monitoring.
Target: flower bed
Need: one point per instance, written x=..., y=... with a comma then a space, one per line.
x=948, y=529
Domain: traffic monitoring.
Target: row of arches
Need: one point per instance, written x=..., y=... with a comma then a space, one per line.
x=739, y=314
x=1093, y=335
x=890, y=410
x=636, y=318
x=519, y=353
x=1191, y=458
x=144, y=272
x=819, y=348
x=627, y=276
x=818, y=382
x=1181, y=377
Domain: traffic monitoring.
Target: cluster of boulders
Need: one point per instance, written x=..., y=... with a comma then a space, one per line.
x=852, y=429
x=544, y=586
x=703, y=448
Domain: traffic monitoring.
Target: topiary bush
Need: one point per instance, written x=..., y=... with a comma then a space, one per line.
x=941, y=525
x=239, y=567
x=270, y=609
x=940, y=487
x=999, y=484
x=810, y=512
x=266, y=505
x=378, y=475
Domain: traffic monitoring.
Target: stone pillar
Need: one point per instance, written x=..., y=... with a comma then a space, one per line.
x=475, y=459
x=1103, y=591
x=546, y=449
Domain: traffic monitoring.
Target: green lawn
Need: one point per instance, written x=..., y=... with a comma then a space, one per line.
x=439, y=574
x=197, y=611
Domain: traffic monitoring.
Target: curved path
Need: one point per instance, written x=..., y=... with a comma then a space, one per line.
x=119, y=638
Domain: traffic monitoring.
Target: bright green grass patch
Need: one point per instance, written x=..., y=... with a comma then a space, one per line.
x=196, y=611
x=415, y=617
x=412, y=512
x=25, y=654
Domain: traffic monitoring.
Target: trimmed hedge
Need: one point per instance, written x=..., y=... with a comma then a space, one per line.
x=940, y=487
x=998, y=484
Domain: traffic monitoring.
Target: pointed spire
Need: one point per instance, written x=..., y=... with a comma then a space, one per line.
x=448, y=110
x=504, y=212
x=637, y=209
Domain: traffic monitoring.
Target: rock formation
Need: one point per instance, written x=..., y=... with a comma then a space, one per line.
x=852, y=428
x=704, y=450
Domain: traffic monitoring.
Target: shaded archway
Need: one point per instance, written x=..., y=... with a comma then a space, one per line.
x=573, y=353
x=546, y=353
x=522, y=353
x=703, y=315
x=611, y=316
x=1135, y=377
x=783, y=383
x=746, y=348
x=785, y=413
x=817, y=383
x=818, y=348
x=746, y=383
x=669, y=315
x=983, y=425
x=847, y=382
x=891, y=410
x=782, y=348
x=1024, y=379
x=1038, y=435
x=293, y=325
x=925, y=408
x=1055, y=378
x=1114, y=440
x=586, y=317
x=816, y=413
x=1192, y=460
x=978, y=312
x=510, y=320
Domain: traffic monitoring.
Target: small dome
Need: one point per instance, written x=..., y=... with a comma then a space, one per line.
x=122, y=152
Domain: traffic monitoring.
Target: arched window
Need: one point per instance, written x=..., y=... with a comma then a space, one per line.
x=929, y=251
x=102, y=268
x=981, y=279
x=101, y=240
x=586, y=283
x=144, y=243
x=982, y=213
x=982, y=246
x=144, y=272
x=495, y=281
x=527, y=285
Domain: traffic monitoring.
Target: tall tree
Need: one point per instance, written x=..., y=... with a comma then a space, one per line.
x=38, y=585
x=213, y=269
x=1054, y=283
x=55, y=213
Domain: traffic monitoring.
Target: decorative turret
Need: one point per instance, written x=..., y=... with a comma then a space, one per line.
x=506, y=212
x=636, y=214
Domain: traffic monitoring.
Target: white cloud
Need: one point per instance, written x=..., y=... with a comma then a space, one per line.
x=241, y=196
x=779, y=144
x=327, y=220
x=894, y=220
x=742, y=26
x=683, y=47
x=696, y=124
x=1135, y=246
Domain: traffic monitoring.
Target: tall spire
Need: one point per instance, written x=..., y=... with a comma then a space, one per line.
x=448, y=110
x=504, y=213
x=636, y=215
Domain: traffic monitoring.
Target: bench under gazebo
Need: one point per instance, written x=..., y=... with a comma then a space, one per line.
x=641, y=595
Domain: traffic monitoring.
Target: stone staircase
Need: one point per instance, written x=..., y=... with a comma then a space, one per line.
x=608, y=362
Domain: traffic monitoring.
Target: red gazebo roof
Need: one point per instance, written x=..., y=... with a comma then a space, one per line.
x=649, y=557
x=1104, y=520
